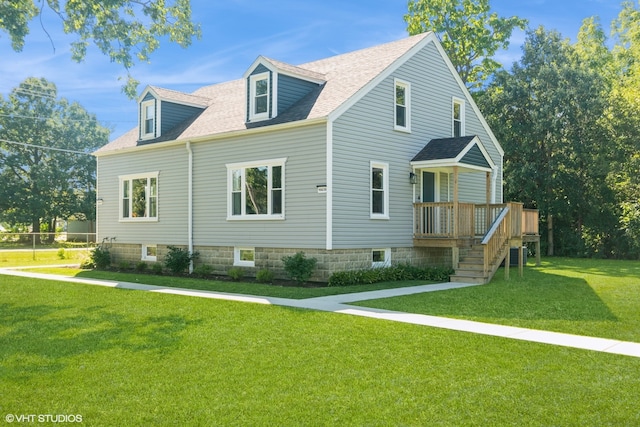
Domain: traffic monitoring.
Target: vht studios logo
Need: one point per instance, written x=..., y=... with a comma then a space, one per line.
x=43, y=418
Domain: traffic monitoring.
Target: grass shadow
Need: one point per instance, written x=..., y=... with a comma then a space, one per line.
x=44, y=338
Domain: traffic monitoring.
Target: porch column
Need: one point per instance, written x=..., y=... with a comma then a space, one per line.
x=488, y=199
x=455, y=251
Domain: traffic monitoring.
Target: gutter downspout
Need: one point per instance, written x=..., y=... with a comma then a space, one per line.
x=190, y=204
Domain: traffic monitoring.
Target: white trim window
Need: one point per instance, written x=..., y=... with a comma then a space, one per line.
x=256, y=190
x=148, y=119
x=402, y=102
x=457, y=113
x=244, y=257
x=259, y=96
x=379, y=190
x=139, y=197
x=149, y=253
x=380, y=257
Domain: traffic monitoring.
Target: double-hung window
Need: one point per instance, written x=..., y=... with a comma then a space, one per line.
x=139, y=197
x=379, y=185
x=458, y=117
x=256, y=190
x=259, y=96
x=148, y=119
x=402, y=106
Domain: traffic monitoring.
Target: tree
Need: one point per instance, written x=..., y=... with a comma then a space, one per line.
x=548, y=114
x=47, y=171
x=111, y=25
x=469, y=32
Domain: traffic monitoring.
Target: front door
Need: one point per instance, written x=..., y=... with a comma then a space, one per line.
x=429, y=196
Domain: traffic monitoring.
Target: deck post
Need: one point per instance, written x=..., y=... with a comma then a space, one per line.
x=487, y=216
x=507, y=262
x=456, y=207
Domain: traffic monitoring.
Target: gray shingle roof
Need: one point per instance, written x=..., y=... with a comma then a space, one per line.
x=344, y=74
x=443, y=148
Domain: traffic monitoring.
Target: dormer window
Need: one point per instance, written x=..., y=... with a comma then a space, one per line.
x=148, y=120
x=259, y=97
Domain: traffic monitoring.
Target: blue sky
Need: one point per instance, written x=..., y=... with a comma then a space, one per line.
x=235, y=32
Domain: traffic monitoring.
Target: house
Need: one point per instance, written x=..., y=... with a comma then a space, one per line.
x=364, y=159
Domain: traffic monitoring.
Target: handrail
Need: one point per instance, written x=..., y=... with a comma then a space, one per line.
x=495, y=225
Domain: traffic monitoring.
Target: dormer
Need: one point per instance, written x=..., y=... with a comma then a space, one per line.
x=160, y=110
x=272, y=87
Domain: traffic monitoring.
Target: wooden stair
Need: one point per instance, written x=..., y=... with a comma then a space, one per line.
x=471, y=266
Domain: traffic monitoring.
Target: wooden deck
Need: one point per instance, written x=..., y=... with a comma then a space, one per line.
x=487, y=228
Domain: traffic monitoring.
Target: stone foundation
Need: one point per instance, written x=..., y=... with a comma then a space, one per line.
x=220, y=258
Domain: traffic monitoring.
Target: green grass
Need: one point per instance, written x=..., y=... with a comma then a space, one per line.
x=580, y=296
x=247, y=288
x=24, y=258
x=134, y=358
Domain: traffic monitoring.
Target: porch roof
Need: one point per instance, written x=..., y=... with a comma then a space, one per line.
x=467, y=152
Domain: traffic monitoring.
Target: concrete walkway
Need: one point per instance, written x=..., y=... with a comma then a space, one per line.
x=339, y=304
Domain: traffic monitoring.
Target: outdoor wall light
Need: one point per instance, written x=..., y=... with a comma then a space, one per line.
x=413, y=178
x=99, y=201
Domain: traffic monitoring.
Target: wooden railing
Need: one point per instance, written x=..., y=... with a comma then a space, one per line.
x=468, y=220
x=497, y=238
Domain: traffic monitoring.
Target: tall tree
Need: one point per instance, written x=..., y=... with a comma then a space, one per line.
x=547, y=113
x=124, y=30
x=470, y=33
x=47, y=171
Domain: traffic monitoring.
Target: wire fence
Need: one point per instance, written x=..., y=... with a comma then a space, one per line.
x=39, y=242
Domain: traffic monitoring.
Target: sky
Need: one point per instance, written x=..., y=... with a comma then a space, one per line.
x=236, y=32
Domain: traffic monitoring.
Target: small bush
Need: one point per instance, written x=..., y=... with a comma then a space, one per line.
x=156, y=268
x=203, y=270
x=298, y=267
x=177, y=260
x=389, y=274
x=141, y=266
x=61, y=254
x=236, y=273
x=265, y=276
x=124, y=265
x=100, y=258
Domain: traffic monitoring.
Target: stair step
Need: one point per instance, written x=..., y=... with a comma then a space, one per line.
x=467, y=279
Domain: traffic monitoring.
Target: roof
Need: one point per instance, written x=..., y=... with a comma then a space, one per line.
x=465, y=151
x=176, y=96
x=344, y=75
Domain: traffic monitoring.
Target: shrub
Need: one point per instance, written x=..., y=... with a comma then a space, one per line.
x=203, y=270
x=236, y=273
x=298, y=267
x=265, y=276
x=389, y=274
x=100, y=258
x=61, y=254
x=177, y=260
x=124, y=265
x=141, y=266
x=156, y=268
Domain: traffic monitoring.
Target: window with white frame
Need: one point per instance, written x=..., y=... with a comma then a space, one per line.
x=139, y=197
x=259, y=96
x=256, y=190
x=379, y=190
x=381, y=257
x=149, y=253
x=402, y=105
x=245, y=257
x=148, y=119
x=458, y=117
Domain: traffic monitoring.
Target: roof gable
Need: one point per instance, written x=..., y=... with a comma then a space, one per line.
x=466, y=151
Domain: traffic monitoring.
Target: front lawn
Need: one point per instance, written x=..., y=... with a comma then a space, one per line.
x=598, y=298
x=28, y=257
x=121, y=357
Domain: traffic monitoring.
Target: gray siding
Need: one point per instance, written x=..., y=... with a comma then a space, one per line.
x=365, y=133
x=174, y=114
x=292, y=90
x=171, y=227
x=305, y=210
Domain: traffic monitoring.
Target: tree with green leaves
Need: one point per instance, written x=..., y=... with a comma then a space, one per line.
x=47, y=171
x=547, y=112
x=124, y=30
x=470, y=34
